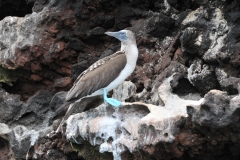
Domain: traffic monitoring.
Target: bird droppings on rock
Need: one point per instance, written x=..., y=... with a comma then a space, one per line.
x=131, y=126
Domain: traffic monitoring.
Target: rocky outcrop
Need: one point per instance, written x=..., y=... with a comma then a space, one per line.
x=181, y=102
x=133, y=126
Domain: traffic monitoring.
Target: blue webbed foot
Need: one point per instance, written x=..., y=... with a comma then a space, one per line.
x=111, y=101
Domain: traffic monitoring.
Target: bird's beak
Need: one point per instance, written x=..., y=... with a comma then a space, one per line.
x=117, y=35
x=113, y=34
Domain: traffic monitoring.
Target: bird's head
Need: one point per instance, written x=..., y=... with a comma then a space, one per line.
x=125, y=36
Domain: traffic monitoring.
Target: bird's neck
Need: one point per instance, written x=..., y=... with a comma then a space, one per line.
x=123, y=47
x=131, y=53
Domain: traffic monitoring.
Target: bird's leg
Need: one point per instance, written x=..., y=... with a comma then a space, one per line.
x=111, y=101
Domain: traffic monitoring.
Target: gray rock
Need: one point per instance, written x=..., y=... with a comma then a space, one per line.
x=159, y=25
x=57, y=100
x=5, y=149
x=25, y=122
x=202, y=76
x=4, y=130
x=194, y=41
x=17, y=140
x=227, y=81
x=35, y=113
x=124, y=91
x=10, y=105
x=218, y=110
x=205, y=34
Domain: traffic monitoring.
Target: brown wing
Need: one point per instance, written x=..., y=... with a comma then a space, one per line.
x=98, y=76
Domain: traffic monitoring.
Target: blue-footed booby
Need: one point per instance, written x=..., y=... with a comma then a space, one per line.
x=105, y=74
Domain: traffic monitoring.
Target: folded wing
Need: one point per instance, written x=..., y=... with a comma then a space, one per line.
x=97, y=76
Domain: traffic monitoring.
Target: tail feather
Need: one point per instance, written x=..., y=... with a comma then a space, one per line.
x=69, y=107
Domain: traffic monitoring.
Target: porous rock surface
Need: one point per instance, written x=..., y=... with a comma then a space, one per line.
x=181, y=102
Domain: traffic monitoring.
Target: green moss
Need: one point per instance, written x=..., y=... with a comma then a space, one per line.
x=8, y=76
x=89, y=152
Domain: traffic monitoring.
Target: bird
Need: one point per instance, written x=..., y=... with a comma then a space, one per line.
x=105, y=74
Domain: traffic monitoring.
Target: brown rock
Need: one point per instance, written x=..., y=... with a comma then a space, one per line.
x=35, y=77
x=189, y=139
x=65, y=71
x=62, y=82
x=35, y=66
x=47, y=82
